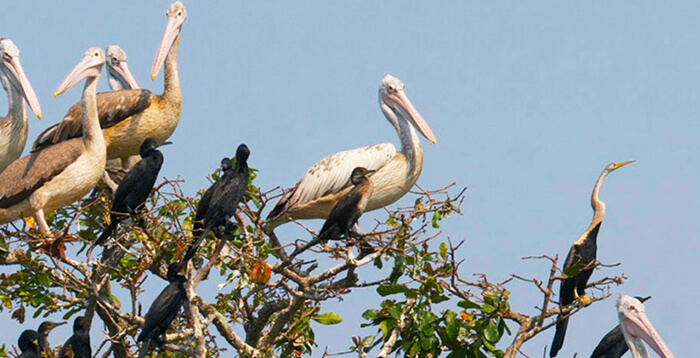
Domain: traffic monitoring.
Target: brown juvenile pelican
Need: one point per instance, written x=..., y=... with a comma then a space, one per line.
x=582, y=254
x=129, y=117
x=636, y=328
x=325, y=182
x=60, y=174
x=13, y=127
x=346, y=211
x=120, y=77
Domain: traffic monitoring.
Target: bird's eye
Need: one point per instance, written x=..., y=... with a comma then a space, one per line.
x=7, y=56
x=96, y=54
x=633, y=308
x=115, y=60
x=179, y=14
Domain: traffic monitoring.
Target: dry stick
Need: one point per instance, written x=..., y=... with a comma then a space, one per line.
x=388, y=346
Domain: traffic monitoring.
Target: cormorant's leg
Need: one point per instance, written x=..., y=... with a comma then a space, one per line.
x=43, y=226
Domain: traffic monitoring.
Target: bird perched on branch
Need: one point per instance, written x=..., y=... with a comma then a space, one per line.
x=28, y=344
x=581, y=258
x=346, y=211
x=78, y=345
x=44, y=329
x=221, y=200
x=63, y=173
x=136, y=186
x=13, y=127
x=164, y=309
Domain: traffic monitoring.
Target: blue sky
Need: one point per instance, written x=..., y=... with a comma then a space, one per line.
x=528, y=102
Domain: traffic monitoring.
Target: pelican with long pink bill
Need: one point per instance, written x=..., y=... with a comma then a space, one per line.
x=14, y=127
x=120, y=77
x=63, y=173
x=325, y=182
x=129, y=117
x=637, y=329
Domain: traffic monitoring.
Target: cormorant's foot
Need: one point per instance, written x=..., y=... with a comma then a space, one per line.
x=585, y=300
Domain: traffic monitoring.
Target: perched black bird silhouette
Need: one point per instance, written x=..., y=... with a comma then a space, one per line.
x=27, y=343
x=164, y=309
x=346, y=211
x=136, y=186
x=221, y=200
x=78, y=345
x=44, y=330
x=582, y=254
x=613, y=345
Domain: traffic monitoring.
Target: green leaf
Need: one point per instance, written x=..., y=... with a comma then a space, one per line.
x=573, y=270
x=487, y=308
x=370, y=314
x=491, y=332
x=466, y=304
x=443, y=250
x=327, y=318
x=397, y=271
x=385, y=290
x=44, y=279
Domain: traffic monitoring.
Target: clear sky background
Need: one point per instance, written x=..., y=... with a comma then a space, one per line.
x=529, y=101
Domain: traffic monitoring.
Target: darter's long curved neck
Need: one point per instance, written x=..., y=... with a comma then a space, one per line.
x=596, y=203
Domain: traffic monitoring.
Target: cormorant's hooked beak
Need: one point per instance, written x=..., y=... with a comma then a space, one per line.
x=164, y=143
x=409, y=112
x=370, y=173
x=26, y=87
x=89, y=66
x=638, y=325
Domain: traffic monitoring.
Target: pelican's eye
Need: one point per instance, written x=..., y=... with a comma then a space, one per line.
x=115, y=60
x=6, y=56
x=179, y=13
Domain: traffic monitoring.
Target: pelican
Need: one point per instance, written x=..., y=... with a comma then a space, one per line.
x=636, y=328
x=325, y=182
x=129, y=117
x=63, y=173
x=613, y=344
x=120, y=77
x=13, y=127
x=346, y=211
x=583, y=254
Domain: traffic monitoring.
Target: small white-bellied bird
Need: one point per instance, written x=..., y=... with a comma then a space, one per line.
x=326, y=181
x=28, y=344
x=613, y=344
x=63, y=173
x=13, y=127
x=78, y=345
x=582, y=255
x=120, y=77
x=164, y=309
x=128, y=117
x=44, y=329
x=221, y=200
x=636, y=328
x=346, y=211
x=136, y=186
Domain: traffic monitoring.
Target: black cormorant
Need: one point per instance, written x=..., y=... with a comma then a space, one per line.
x=164, y=308
x=346, y=211
x=221, y=200
x=582, y=255
x=28, y=344
x=44, y=330
x=78, y=345
x=136, y=186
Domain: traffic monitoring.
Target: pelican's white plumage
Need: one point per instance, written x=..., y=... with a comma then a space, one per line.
x=397, y=171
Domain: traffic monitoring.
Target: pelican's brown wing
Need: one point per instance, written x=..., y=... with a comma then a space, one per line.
x=27, y=174
x=112, y=107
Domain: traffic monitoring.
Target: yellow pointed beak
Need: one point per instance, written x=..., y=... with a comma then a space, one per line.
x=620, y=165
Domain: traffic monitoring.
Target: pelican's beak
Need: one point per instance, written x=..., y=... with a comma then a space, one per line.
x=172, y=31
x=27, y=89
x=406, y=107
x=638, y=325
x=123, y=70
x=164, y=143
x=89, y=66
x=620, y=165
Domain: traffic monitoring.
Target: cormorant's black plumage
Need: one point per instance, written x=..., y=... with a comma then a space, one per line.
x=613, y=345
x=44, y=330
x=27, y=343
x=78, y=345
x=164, y=308
x=346, y=211
x=136, y=186
x=221, y=200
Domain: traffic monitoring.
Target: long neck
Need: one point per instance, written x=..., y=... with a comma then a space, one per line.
x=637, y=348
x=92, y=131
x=241, y=166
x=596, y=203
x=171, y=92
x=15, y=105
x=410, y=144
